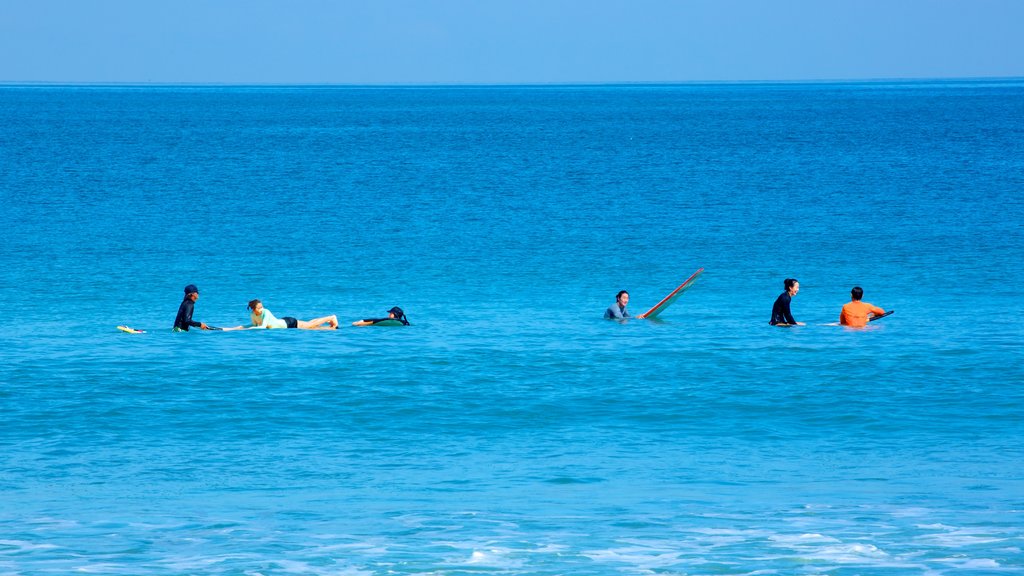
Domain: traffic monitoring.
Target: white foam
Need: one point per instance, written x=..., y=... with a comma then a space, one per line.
x=296, y=567
x=981, y=563
x=371, y=546
x=728, y=531
x=972, y=563
x=492, y=557
x=154, y=526
x=647, y=543
x=847, y=553
x=960, y=539
x=909, y=512
x=189, y=563
x=56, y=522
x=478, y=557
x=550, y=549
x=361, y=548
x=414, y=521
x=800, y=539
x=100, y=568
x=934, y=527
x=715, y=537
x=643, y=558
x=24, y=546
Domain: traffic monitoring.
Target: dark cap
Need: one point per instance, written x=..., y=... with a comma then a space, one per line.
x=396, y=311
x=190, y=289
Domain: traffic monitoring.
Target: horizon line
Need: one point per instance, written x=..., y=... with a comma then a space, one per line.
x=139, y=84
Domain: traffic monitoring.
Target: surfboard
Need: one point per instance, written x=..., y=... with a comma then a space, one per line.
x=130, y=330
x=672, y=297
x=873, y=318
x=388, y=322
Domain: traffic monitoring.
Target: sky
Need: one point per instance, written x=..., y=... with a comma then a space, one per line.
x=506, y=42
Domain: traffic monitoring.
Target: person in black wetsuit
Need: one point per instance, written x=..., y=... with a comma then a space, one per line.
x=183, y=320
x=781, y=314
x=395, y=313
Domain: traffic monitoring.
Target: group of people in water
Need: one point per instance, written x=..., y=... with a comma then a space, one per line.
x=261, y=317
x=856, y=313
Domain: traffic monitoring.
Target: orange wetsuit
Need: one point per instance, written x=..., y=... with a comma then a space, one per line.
x=855, y=313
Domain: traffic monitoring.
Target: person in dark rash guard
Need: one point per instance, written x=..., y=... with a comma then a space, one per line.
x=781, y=314
x=395, y=314
x=183, y=320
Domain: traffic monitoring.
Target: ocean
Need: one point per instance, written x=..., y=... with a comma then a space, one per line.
x=510, y=429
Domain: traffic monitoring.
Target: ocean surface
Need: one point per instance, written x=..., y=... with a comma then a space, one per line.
x=510, y=429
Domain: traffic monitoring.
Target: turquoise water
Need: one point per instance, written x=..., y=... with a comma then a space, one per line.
x=510, y=429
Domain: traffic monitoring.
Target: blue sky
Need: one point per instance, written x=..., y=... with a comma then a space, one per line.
x=525, y=41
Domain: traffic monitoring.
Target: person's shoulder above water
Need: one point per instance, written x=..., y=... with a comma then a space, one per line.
x=262, y=317
x=780, y=309
x=617, y=311
x=781, y=313
x=856, y=313
x=613, y=312
x=183, y=320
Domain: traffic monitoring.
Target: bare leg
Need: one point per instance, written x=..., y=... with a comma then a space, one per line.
x=318, y=323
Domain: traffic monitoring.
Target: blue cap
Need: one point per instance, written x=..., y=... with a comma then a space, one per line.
x=190, y=289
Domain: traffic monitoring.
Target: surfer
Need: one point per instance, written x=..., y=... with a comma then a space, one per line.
x=183, y=320
x=395, y=313
x=856, y=313
x=617, y=311
x=781, y=314
x=263, y=318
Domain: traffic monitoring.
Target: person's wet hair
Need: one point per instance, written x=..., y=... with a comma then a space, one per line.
x=619, y=295
x=399, y=315
x=857, y=293
x=253, y=303
x=788, y=283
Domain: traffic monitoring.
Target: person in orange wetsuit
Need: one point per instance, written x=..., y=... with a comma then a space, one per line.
x=856, y=313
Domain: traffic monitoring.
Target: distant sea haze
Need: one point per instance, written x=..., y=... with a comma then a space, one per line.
x=509, y=428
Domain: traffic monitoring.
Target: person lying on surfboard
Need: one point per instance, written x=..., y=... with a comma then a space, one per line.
x=263, y=318
x=857, y=314
x=781, y=315
x=617, y=311
x=395, y=314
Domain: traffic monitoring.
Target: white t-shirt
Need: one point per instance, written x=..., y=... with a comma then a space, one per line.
x=267, y=320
